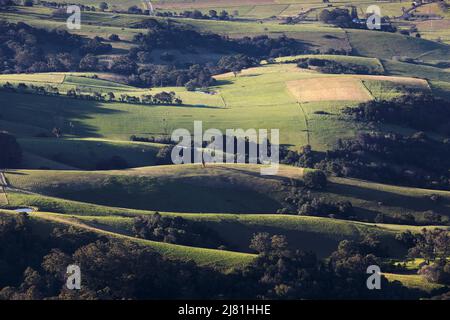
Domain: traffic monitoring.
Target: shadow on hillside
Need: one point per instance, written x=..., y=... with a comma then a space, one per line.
x=46, y=113
x=222, y=82
x=200, y=106
x=389, y=199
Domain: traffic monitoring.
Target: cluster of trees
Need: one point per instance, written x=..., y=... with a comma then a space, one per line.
x=338, y=16
x=59, y=5
x=5, y=3
x=234, y=63
x=34, y=267
x=135, y=10
x=31, y=88
x=175, y=230
x=414, y=160
x=283, y=273
x=304, y=202
x=247, y=51
x=332, y=66
x=163, y=97
x=145, y=74
x=11, y=152
x=172, y=36
x=22, y=49
x=429, y=218
x=305, y=157
x=349, y=19
x=434, y=247
x=197, y=14
x=95, y=47
x=419, y=111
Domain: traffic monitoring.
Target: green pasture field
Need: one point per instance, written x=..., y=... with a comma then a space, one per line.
x=255, y=98
x=385, y=45
x=414, y=281
x=370, y=62
x=319, y=234
x=416, y=70
x=143, y=188
x=87, y=153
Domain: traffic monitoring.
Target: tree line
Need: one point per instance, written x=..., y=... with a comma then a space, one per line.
x=163, y=97
x=34, y=267
x=336, y=67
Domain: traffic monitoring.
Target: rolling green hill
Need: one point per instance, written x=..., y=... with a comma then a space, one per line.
x=143, y=188
x=61, y=181
x=220, y=259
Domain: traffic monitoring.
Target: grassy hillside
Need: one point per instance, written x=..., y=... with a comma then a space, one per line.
x=320, y=235
x=315, y=35
x=219, y=259
x=144, y=189
x=386, y=45
x=263, y=97
x=373, y=63
x=88, y=153
x=170, y=188
x=59, y=178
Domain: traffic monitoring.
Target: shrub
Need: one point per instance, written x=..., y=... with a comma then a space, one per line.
x=315, y=179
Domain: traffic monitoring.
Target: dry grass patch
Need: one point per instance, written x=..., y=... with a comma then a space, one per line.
x=3, y=198
x=37, y=77
x=329, y=89
x=345, y=87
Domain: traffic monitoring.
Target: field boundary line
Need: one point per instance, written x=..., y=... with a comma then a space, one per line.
x=382, y=65
x=349, y=43
x=367, y=89
x=223, y=101
x=3, y=185
x=287, y=5
x=306, y=122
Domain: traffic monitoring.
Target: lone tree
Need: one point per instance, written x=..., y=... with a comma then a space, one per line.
x=10, y=151
x=103, y=6
x=213, y=14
